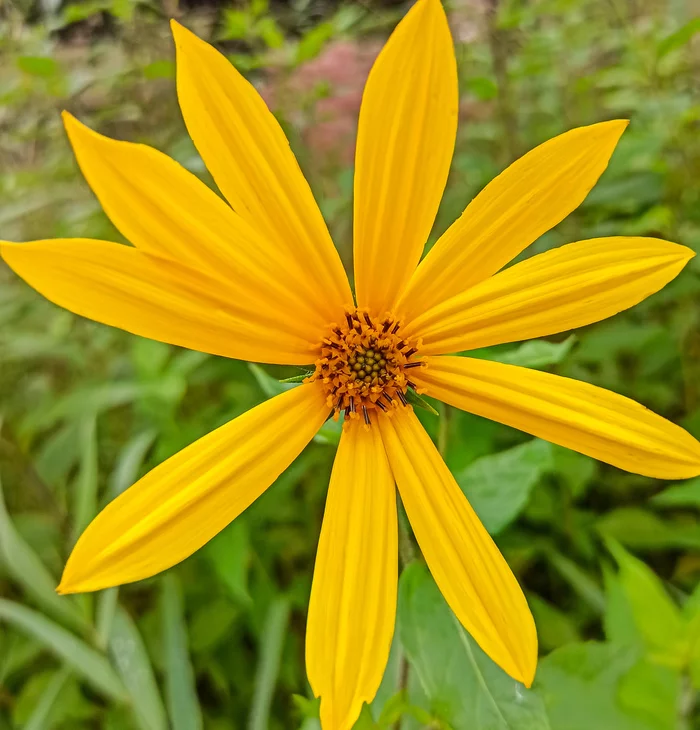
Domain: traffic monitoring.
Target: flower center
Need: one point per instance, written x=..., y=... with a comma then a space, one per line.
x=363, y=365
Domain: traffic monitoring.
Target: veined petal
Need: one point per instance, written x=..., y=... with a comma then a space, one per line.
x=245, y=149
x=405, y=140
x=556, y=291
x=165, y=210
x=158, y=298
x=531, y=196
x=353, y=597
x=465, y=562
x=180, y=505
x=578, y=415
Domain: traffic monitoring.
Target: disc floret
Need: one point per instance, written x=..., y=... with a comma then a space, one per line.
x=364, y=363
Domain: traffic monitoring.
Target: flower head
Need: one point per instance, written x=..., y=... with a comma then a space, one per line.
x=258, y=278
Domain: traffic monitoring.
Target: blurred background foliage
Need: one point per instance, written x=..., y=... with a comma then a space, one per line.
x=610, y=561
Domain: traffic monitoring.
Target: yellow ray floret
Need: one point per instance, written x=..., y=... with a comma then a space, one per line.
x=192, y=496
x=353, y=598
x=258, y=278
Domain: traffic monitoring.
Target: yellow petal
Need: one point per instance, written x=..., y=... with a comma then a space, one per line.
x=580, y=416
x=353, y=597
x=405, y=140
x=157, y=298
x=184, y=502
x=556, y=291
x=165, y=210
x=465, y=562
x=531, y=196
x=245, y=149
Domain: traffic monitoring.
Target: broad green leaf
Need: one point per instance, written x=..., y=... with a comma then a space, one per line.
x=134, y=666
x=498, y=486
x=657, y=617
x=651, y=693
x=180, y=690
x=465, y=689
x=25, y=567
x=579, y=684
x=685, y=494
x=92, y=666
x=270, y=655
x=230, y=554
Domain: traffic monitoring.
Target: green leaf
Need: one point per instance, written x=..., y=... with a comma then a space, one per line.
x=554, y=627
x=25, y=567
x=482, y=87
x=40, y=717
x=464, y=687
x=84, y=660
x=41, y=66
x=163, y=69
x=313, y=41
x=85, y=501
x=651, y=692
x=579, y=685
x=578, y=579
x=269, y=31
x=272, y=642
x=657, y=617
x=107, y=604
x=679, y=38
x=498, y=486
x=134, y=666
x=180, y=690
x=236, y=24
x=270, y=386
x=638, y=528
x=685, y=494
x=618, y=620
x=130, y=461
x=230, y=555
x=531, y=354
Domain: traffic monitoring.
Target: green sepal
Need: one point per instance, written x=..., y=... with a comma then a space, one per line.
x=298, y=378
x=415, y=400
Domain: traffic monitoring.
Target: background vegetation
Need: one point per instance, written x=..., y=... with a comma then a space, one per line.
x=610, y=561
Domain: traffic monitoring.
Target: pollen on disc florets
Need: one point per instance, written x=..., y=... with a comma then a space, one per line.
x=365, y=364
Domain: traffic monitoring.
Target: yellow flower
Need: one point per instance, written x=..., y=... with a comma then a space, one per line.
x=261, y=280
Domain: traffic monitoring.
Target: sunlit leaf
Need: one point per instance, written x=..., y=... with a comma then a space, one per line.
x=656, y=616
